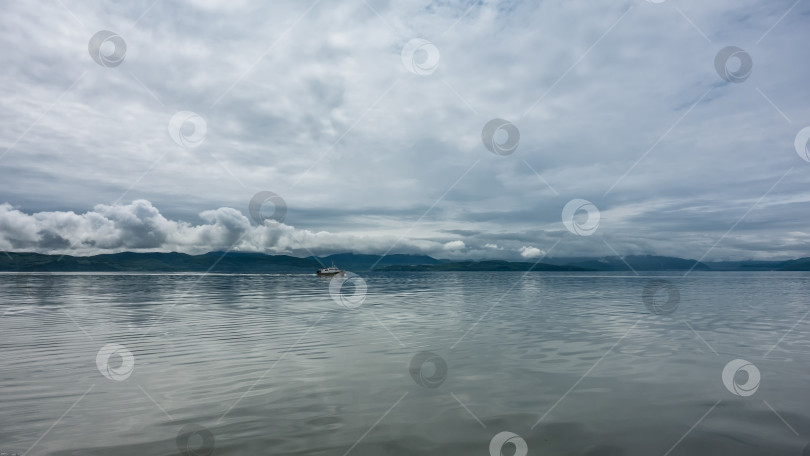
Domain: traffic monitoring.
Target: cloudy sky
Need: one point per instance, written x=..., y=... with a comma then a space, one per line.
x=368, y=119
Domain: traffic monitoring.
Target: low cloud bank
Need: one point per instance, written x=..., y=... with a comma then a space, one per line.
x=139, y=226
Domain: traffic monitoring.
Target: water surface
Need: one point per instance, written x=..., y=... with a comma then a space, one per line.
x=573, y=363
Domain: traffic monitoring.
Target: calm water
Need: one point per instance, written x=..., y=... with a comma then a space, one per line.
x=573, y=364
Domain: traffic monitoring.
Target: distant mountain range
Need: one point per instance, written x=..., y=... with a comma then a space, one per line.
x=238, y=262
x=233, y=262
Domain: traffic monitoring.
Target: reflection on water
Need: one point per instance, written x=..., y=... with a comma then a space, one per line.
x=430, y=363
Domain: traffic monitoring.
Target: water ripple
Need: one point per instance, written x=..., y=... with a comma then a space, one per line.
x=271, y=363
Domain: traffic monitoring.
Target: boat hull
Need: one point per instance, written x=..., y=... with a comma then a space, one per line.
x=329, y=274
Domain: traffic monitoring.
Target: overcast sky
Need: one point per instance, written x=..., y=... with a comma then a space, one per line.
x=367, y=119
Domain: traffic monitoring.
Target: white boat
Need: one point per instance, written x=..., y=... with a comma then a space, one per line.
x=330, y=271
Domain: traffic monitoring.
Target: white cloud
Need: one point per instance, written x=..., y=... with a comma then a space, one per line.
x=493, y=246
x=530, y=252
x=454, y=245
x=140, y=226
